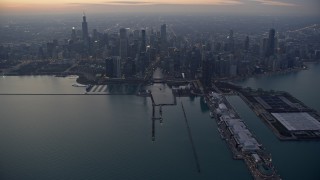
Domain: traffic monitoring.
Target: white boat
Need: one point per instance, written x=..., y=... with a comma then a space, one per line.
x=79, y=85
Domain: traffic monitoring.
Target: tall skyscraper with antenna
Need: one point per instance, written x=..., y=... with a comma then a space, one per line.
x=85, y=33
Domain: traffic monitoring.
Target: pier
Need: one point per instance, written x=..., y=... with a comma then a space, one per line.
x=288, y=118
x=241, y=142
x=157, y=107
x=163, y=104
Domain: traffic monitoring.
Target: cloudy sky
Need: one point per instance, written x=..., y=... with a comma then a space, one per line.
x=265, y=7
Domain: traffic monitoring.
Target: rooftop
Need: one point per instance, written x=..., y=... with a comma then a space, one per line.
x=299, y=121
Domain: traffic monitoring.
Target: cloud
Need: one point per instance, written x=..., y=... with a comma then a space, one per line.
x=164, y=2
x=275, y=3
x=227, y=2
x=202, y=2
x=84, y=4
x=129, y=2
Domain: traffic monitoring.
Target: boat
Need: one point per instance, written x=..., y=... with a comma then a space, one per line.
x=78, y=85
x=72, y=76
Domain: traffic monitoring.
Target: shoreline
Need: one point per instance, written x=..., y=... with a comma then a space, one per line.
x=239, y=79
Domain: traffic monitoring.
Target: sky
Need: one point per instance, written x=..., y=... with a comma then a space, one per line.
x=265, y=7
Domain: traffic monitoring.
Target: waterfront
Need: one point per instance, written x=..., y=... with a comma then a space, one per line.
x=90, y=137
x=304, y=85
x=293, y=160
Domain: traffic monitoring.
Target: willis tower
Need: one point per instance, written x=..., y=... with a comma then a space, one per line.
x=85, y=34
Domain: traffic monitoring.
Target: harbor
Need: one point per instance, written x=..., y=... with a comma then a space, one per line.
x=241, y=142
x=288, y=117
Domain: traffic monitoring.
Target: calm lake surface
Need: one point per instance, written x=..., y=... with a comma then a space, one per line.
x=109, y=137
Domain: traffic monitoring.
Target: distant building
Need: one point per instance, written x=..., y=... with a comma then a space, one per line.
x=50, y=49
x=113, y=67
x=207, y=68
x=129, y=68
x=271, y=43
x=143, y=41
x=123, y=44
x=246, y=44
x=164, y=37
x=117, y=67
x=85, y=33
x=109, y=67
x=317, y=54
x=73, y=34
x=194, y=58
x=231, y=41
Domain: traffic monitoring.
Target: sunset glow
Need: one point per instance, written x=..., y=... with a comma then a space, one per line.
x=40, y=6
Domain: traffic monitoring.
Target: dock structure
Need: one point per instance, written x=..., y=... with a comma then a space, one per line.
x=154, y=119
x=241, y=142
x=288, y=118
x=163, y=104
x=159, y=118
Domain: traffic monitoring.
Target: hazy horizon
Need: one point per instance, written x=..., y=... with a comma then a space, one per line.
x=245, y=7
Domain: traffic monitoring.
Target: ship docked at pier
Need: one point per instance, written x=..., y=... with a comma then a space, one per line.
x=241, y=142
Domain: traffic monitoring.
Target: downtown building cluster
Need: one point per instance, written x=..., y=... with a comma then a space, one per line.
x=127, y=53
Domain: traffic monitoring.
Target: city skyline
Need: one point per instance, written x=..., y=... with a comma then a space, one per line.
x=265, y=7
x=155, y=95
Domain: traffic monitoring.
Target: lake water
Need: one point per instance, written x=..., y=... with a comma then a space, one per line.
x=109, y=137
x=105, y=137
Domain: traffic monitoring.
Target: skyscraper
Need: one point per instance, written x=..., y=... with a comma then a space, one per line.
x=109, y=67
x=116, y=67
x=271, y=43
x=246, y=44
x=143, y=41
x=113, y=67
x=123, y=44
x=231, y=41
x=163, y=37
x=73, y=34
x=85, y=34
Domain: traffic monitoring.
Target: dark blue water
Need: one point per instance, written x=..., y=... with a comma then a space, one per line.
x=105, y=137
x=305, y=84
x=109, y=137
